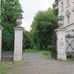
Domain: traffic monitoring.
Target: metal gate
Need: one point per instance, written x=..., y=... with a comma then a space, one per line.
x=7, y=56
x=70, y=45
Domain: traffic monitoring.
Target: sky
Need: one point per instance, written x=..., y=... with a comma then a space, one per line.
x=30, y=8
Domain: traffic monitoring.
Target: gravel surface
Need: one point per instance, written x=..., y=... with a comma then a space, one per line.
x=39, y=64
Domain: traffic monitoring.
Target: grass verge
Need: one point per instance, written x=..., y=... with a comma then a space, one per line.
x=46, y=53
x=5, y=67
x=31, y=50
x=43, y=52
x=8, y=67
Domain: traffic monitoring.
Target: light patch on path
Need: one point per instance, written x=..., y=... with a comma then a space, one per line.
x=39, y=64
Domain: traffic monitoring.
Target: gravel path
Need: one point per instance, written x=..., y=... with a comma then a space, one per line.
x=39, y=64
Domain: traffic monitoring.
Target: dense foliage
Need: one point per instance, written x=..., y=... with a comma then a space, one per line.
x=27, y=40
x=10, y=10
x=43, y=26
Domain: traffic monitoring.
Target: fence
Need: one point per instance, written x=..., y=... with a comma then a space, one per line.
x=7, y=55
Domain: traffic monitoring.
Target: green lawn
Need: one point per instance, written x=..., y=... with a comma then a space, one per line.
x=43, y=52
x=46, y=53
x=8, y=67
x=5, y=67
x=31, y=50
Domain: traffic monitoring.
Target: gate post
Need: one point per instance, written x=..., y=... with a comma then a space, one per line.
x=1, y=28
x=18, y=43
x=61, y=44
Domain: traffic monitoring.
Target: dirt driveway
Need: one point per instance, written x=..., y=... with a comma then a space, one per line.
x=39, y=64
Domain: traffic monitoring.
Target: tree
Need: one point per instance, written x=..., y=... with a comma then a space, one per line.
x=10, y=11
x=27, y=41
x=43, y=26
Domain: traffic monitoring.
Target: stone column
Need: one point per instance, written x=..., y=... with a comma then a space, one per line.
x=18, y=43
x=1, y=28
x=61, y=44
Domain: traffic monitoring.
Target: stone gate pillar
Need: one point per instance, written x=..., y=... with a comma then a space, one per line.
x=18, y=43
x=61, y=44
x=1, y=28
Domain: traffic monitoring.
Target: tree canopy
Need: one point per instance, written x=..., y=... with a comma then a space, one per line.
x=10, y=11
x=43, y=26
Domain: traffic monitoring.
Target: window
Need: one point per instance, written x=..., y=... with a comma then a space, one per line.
x=61, y=21
x=73, y=7
x=62, y=5
x=68, y=16
x=68, y=19
x=67, y=2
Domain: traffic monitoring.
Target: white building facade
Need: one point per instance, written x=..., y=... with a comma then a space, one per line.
x=65, y=32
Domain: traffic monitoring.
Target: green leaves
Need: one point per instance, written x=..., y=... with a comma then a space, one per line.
x=10, y=10
x=26, y=40
x=43, y=26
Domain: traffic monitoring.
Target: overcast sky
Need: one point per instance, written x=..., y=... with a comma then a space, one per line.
x=31, y=7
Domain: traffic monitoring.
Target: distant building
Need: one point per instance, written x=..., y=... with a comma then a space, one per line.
x=65, y=32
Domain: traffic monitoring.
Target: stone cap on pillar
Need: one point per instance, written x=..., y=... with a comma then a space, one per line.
x=18, y=28
x=60, y=29
x=1, y=28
